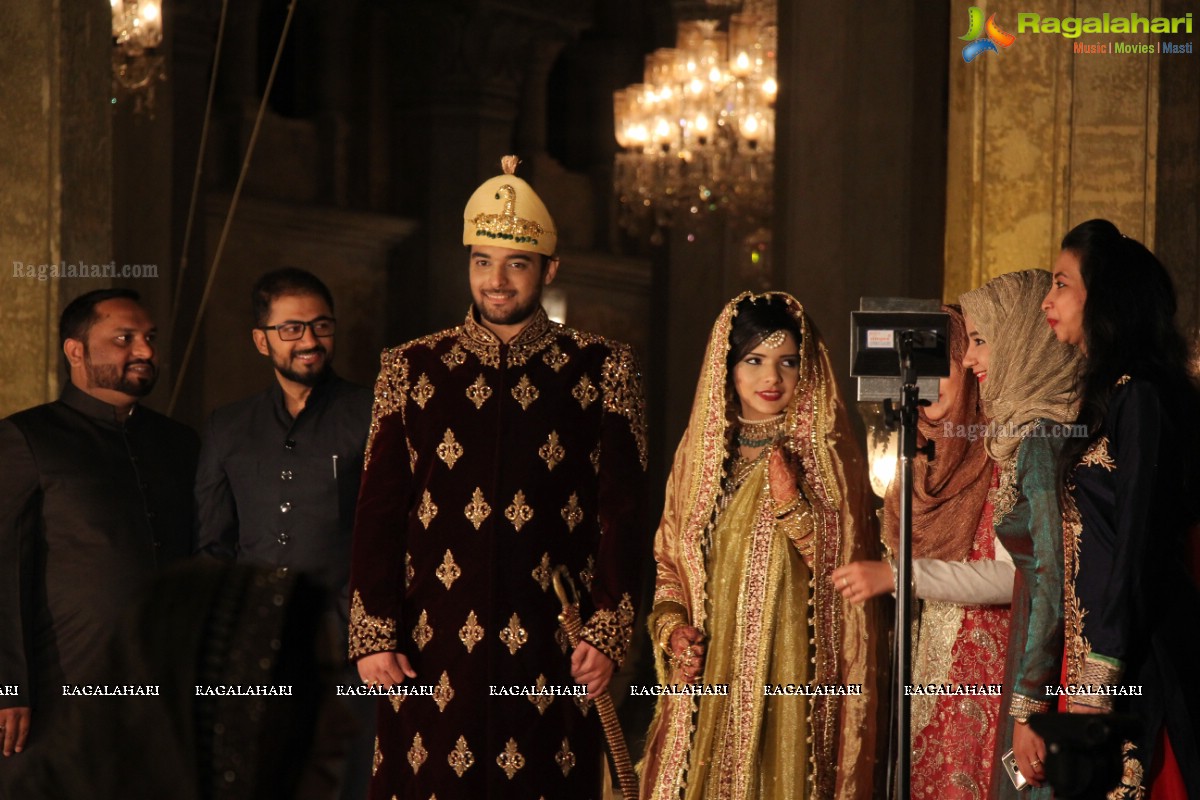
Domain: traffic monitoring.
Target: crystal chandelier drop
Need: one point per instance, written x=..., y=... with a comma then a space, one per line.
x=698, y=135
x=137, y=32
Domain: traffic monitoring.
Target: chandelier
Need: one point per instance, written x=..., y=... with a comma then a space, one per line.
x=137, y=32
x=698, y=134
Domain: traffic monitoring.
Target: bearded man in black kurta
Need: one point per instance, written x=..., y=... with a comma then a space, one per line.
x=96, y=496
x=498, y=450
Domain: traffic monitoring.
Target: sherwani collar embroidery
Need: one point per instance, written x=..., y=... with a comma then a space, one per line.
x=533, y=338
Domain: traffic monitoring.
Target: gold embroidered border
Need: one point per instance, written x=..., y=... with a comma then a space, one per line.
x=391, y=394
x=1004, y=495
x=1023, y=706
x=1077, y=646
x=611, y=630
x=621, y=387
x=369, y=634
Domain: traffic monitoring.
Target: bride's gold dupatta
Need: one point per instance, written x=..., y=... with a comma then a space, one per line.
x=818, y=434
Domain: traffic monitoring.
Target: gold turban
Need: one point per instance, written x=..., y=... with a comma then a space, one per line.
x=506, y=212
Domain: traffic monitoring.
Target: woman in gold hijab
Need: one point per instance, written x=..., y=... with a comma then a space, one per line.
x=1026, y=380
x=765, y=499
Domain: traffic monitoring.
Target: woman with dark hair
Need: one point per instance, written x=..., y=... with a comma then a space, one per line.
x=1130, y=492
x=964, y=579
x=767, y=496
x=1025, y=380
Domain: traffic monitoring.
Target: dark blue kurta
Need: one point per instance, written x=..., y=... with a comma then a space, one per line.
x=1132, y=610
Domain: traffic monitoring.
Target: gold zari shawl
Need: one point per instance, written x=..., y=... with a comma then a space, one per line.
x=841, y=756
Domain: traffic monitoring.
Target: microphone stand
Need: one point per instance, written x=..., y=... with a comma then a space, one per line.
x=906, y=416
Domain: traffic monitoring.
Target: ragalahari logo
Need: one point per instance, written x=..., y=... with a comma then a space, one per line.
x=983, y=37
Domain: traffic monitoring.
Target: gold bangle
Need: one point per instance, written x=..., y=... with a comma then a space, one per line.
x=667, y=624
x=788, y=507
x=1022, y=707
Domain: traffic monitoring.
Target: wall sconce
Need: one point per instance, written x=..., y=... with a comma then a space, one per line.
x=137, y=31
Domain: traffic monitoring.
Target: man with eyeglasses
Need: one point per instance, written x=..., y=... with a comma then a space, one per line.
x=279, y=471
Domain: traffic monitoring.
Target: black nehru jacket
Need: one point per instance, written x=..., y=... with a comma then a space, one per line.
x=279, y=492
x=91, y=505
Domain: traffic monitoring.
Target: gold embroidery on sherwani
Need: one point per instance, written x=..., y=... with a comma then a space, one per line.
x=454, y=357
x=471, y=634
x=514, y=635
x=588, y=573
x=621, y=386
x=610, y=630
x=409, y=572
x=443, y=693
x=552, y=452
x=533, y=338
x=572, y=514
x=412, y=455
x=541, y=573
x=448, y=572
x=555, y=358
x=584, y=704
x=510, y=760
x=396, y=700
x=585, y=391
x=1097, y=455
x=479, y=392
x=477, y=510
x=391, y=393
x=565, y=758
x=369, y=634
x=417, y=754
x=422, y=391
x=560, y=636
x=480, y=342
x=525, y=392
x=427, y=510
x=519, y=512
x=541, y=700
x=449, y=450
x=376, y=759
x=594, y=457
x=422, y=632
x=460, y=758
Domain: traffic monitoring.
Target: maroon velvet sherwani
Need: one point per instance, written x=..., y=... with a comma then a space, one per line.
x=487, y=466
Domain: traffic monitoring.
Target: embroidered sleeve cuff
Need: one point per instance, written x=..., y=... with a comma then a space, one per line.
x=1022, y=707
x=1098, y=674
x=369, y=635
x=610, y=630
x=668, y=593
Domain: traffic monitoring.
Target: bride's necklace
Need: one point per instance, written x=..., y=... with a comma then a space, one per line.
x=758, y=432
